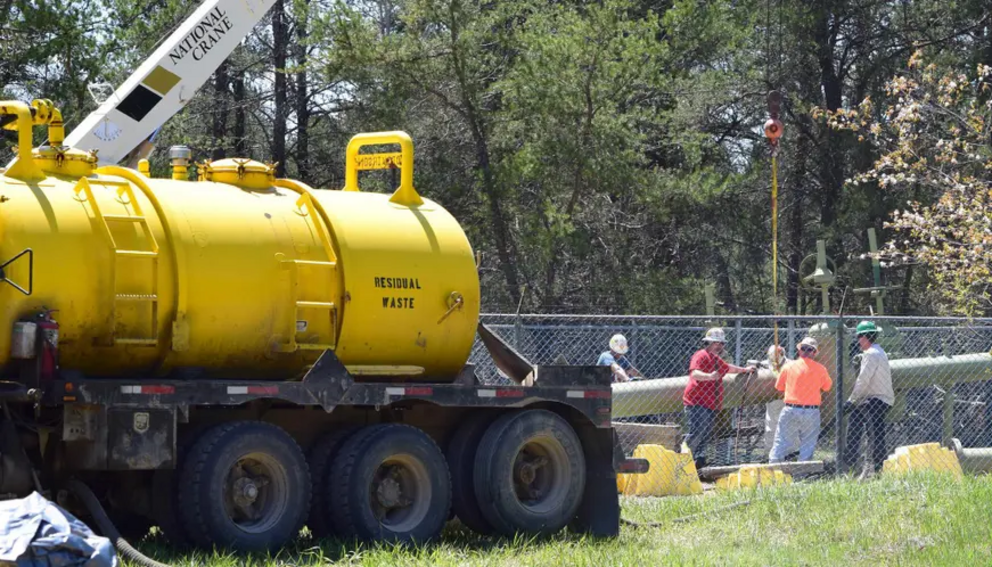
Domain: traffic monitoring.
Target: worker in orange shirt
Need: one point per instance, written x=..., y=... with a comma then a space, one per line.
x=802, y=380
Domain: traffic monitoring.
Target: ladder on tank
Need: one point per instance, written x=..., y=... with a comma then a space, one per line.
x=306, y=209
x=125, y=195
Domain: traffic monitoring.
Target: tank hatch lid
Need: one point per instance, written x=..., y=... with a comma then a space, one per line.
x=247, y=174
x=64, y=160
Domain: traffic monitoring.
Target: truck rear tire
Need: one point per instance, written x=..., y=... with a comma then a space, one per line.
x=390, y=483
x=530, y=473
x=461, y=463
x=165, y=492
x=320, y=460
x=245, y=486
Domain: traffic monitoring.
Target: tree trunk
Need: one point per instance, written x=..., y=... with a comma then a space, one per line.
x=279, y=46
x=240, y=118
x=500, y=227
x=501, y=231
x=831, y=161
x=219, y=130
x=724, y=290
x=302, y=97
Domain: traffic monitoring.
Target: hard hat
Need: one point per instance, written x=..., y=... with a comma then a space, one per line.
x=864, y=328
x=715, y=335
x=809, y=342
x=618, y=343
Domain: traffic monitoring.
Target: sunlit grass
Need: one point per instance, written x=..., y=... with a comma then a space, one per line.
x=922, y=519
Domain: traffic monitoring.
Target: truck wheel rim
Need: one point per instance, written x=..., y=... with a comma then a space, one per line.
x=540, y=474
x=400, y=493
x=256, y=493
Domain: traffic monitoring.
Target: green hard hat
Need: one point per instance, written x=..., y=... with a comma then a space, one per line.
x=864, y=328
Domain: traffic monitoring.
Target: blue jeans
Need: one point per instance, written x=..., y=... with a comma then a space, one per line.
x=700, y=423
x=796, y=427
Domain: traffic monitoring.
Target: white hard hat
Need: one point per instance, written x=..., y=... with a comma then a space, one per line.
x=618, y=343
x=715, y=335
x=809, y=342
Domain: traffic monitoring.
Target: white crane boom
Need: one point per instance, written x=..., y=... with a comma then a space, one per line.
x=167, y=80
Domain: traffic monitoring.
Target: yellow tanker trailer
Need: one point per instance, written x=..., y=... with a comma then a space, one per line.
x=239, y=274
x=168, y=342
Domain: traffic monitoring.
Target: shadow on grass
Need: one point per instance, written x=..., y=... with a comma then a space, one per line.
x=305, y=550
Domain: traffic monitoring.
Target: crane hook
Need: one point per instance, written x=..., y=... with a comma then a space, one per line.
x=773, y=126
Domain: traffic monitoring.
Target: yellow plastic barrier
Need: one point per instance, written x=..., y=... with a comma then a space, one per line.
x=752, y=477
x=927, y=456
x=670, y=474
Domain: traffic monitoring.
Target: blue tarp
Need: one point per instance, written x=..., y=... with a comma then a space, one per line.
x=35, y=532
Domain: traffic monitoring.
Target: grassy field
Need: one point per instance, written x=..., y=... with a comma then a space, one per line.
x=913, y=520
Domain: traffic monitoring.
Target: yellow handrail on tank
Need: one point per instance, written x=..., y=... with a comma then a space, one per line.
x=405, y=194
x=24, y=167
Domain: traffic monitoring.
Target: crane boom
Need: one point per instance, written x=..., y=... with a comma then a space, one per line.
x=168, y=79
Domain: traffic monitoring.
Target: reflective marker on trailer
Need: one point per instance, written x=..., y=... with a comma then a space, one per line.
x=501, y=393
x=147, y=390
x=589, y=394
x=505, y=393
x=243, y=390
x=412, y=391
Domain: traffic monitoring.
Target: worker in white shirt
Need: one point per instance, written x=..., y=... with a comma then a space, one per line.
x=870, y=400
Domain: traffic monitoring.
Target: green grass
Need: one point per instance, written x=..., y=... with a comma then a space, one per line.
x=923, y=519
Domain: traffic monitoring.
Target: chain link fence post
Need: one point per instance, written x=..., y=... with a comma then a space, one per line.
x=518, y=331
x=839, y=406
x=737, y=342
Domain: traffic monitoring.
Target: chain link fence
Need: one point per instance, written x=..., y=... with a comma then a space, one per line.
x=932, y=396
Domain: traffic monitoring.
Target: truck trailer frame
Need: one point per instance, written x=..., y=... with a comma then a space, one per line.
x=149, y=447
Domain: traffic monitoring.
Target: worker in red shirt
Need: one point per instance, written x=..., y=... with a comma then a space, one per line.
x=703, y=396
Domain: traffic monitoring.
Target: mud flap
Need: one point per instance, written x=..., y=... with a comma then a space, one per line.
x=599, y=513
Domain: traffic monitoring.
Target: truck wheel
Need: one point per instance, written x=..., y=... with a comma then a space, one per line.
x=530, y=473
x=461, y=462
x=246, y=486
x=165, y=493
x=320, y=460
x=390, y=482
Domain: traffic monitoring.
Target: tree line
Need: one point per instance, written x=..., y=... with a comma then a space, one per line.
x=603, y=156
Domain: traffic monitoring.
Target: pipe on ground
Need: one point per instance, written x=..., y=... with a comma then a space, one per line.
x=974, y=460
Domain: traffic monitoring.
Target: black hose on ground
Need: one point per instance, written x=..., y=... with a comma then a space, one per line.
x=107, y=527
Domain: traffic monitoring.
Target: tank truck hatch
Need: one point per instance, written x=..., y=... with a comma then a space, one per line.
x=4, y=267
x=246, y=174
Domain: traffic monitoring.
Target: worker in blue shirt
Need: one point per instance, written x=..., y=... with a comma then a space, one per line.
x=623, y=370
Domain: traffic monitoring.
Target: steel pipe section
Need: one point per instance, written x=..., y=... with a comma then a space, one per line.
x=664, y=395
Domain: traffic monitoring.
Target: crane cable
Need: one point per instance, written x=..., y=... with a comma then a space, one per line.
x=773, y=131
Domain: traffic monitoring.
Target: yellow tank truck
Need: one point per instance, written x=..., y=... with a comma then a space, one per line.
x=234, y=357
